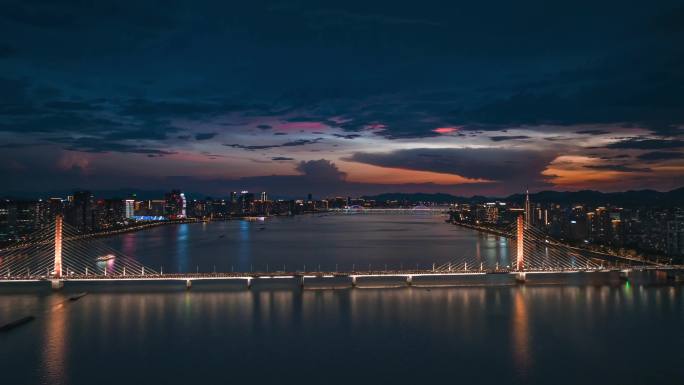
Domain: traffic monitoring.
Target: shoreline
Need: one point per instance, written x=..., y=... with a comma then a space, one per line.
x=602, y=254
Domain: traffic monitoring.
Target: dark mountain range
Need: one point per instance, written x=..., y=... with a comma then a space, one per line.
x=590, y=197
x=626, y=198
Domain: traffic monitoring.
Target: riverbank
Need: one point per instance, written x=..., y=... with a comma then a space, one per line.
x=603, y=254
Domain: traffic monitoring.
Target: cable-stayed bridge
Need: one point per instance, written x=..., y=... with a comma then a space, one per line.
x=419, y=209
x=60, y=253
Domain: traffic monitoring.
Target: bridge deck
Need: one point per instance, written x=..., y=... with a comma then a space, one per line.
x=309, y=275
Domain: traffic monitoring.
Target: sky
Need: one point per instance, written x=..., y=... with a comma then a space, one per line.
x=342, y=98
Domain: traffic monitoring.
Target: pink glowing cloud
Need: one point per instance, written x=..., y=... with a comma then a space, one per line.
x=74, y=160
x=375, y=126
x=445, y=130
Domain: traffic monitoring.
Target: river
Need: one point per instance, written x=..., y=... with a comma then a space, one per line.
x=561, y=332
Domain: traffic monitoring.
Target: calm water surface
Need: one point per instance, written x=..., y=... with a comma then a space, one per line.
x=559, y=332
x=326, y=240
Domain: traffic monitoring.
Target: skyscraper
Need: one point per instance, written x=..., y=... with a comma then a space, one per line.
x=130, y=208
x=246, y=202
x=175, y=205
x=528, y=210
x=80, y=212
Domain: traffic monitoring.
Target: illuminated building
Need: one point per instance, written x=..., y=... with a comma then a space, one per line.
x=528, y=210
x=246, y=204
x=675, y=236
x=129, y=208
x=175, y=205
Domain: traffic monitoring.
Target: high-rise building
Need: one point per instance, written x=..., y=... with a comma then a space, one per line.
x=246, y=202
x=233, y=206
x=528, y=210
x=55, y=206
x=129, y=208
x=491, y=212
x=80, y=212
x=675, y=236
x=175, y=205
x=264, y=197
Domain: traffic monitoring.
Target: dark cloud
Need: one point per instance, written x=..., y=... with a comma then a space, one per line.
x=510, y=137
x=279, y=158
x=619, y=156
x=321, y=177
x=322, y=170
x=19, y=145
x=205, y=135
x=592, y=132
x=661, y=155
x=147, y=130
x=616, y=167
x=385, y=68
x=558, y=138
x=301, y=142
x=518, y=168
x=252, y=147
x=347, y=136
x=94, y=145
x=67, y=122
x=647, y=144
x=294, y=143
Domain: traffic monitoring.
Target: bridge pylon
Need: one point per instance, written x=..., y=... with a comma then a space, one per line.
x=58, y=246
x=520, y=256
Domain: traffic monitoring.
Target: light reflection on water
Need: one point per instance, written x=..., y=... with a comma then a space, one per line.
x=329, y=241
x=183, y=240
x=485, y=334
x=614, y=331
x=55, y=356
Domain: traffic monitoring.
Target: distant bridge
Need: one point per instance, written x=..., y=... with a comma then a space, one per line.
x=419, y=209
x=59, y=254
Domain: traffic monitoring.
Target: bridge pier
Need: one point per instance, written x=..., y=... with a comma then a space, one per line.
x=353, y=282
x=56, y=284
x=249, y=283
x=188, y=284
x=409, y=280
x=520, y=277
x=301, y=282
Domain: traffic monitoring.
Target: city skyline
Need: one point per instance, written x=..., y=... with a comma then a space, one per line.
x=626, y=223
x=311, y=191
x=353, y=100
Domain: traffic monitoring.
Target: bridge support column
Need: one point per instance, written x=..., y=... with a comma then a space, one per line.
x=188, y=284
x=409, y=280
x=353, y=283
x=56, y=284
x=249, y=283
x=520, y=277
x=301, y=282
